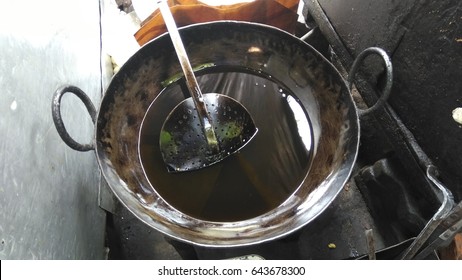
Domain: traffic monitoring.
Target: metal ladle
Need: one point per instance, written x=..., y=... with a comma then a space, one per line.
x=203, y=129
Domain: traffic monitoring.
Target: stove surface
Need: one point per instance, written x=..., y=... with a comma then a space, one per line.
x=382, y=211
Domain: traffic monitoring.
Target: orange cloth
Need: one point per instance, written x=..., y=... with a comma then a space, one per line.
x=278, y=13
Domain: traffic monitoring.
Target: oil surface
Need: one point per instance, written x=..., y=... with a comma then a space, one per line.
x=251, y=182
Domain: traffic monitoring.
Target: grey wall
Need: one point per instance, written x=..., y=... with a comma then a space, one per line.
x=48, y=192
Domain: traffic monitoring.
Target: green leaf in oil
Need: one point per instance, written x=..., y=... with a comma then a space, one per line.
x=165, y=137
x=180, y=75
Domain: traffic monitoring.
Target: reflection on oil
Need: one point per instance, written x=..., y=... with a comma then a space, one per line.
x=303, y=125
x=249, y=183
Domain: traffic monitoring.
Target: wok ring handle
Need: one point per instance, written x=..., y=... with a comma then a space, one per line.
x=389, y=78
x=57, y=119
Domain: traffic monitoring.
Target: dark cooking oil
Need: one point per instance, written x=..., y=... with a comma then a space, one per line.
x=251, y=182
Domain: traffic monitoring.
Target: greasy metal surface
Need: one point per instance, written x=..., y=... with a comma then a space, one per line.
x=313, y=80
x=425, y=39
x=317, y=13
x=48, y=192
x=360, y=24
x=387, y=120
x=429, y=58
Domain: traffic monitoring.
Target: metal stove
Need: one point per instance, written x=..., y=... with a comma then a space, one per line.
x=400, y=203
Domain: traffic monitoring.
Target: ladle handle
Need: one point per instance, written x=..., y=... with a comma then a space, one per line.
x=389, y=77
x=191, y=80
x=58, y=120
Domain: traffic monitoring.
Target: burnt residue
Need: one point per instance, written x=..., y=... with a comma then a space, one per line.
x=334, y=124
x=120, y=133
x=337, y=118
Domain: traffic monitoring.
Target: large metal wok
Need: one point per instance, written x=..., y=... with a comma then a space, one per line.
x=265, y=51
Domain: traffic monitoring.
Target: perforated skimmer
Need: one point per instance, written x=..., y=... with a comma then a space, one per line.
x=203, y=129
